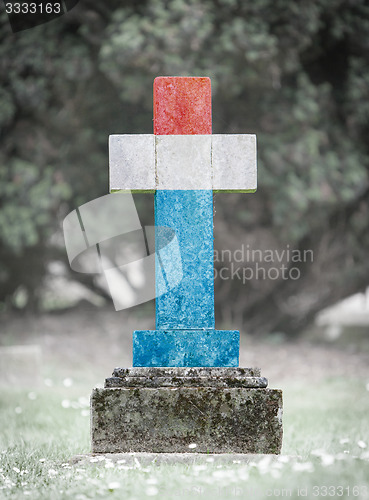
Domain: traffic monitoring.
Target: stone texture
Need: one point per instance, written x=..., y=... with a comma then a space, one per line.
x=182, y=105
x=184, y=376
x=168, y=420
x=183, y=162
x=234, y=162
x=144, y=162
x=198, y=371
x=250, y=382
x=178, y=347
x=132, y=162
x=191, y=304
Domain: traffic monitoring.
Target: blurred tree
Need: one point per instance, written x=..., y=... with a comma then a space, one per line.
x=296, y=74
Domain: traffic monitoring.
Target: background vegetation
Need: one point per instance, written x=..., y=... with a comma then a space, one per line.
x=294, y=73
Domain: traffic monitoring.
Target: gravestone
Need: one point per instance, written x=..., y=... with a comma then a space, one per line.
x=185, y=391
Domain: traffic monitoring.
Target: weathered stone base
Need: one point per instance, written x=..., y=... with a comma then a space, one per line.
x=222, y=415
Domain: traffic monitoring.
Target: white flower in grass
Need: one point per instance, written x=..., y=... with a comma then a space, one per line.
x=275, y=473
x=67, y=382
x=52, y=472
x=65, y=403
x=109, y=465
x=361, y=444
x=192, y=446
x=18, y=410
x=327, y=460
x=341, y=456
x=243, y=474
x=277, y=465
x=85, y=413
x=84, y=402
x=218, y=473
x=152, y=491
x=318, y=453
x=42, y=460
x=15, y=469
x=344, y=440
x=264, y=464
x=114, y=485
x=94, y=459
x=199, y=467
x=303, y=467
x=123, y=461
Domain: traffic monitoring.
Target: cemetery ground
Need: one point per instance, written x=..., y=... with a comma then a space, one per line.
x=43, y=426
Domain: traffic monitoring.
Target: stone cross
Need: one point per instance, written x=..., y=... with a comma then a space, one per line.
x=183, y=163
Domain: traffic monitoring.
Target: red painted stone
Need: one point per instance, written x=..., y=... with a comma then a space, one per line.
x=182, y=105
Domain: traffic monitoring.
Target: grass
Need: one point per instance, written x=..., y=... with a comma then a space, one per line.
x=325, y=451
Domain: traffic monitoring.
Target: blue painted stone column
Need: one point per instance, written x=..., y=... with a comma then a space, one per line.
x=190, y=306
x=185, y=332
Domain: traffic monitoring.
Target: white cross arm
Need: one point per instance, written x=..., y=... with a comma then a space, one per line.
x=145, y=162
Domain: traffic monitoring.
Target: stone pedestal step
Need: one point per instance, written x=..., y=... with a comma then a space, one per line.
x=251, y=382
x=186, y=377
x=186, y=372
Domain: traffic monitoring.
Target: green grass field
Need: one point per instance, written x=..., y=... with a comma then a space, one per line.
x=325, y=451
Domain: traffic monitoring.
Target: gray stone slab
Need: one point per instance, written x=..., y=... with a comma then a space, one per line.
x=254, y=382
x=132, y=162
x=169, y=420
x=234, y=162
x=186, y=372
x=183, y=162
x=145, y=162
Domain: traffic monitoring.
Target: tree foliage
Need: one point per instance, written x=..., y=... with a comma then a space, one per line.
x=294, y=73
